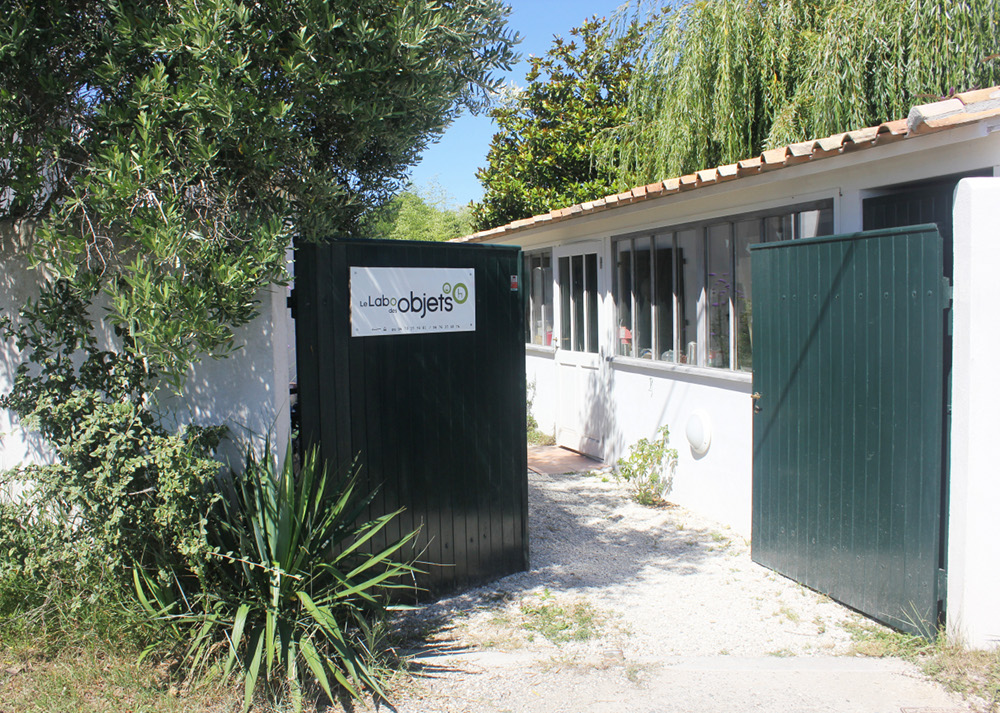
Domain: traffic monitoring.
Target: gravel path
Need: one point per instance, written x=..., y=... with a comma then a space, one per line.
x=629, y=608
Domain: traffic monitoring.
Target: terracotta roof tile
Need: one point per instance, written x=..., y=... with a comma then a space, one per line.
x=774, y=156
x=962, y=109
x=862, y=136
x=920, y=115
x=978, y=96
x=801, y=149
x=654, y=189
x=728, y=171
x=896, y=128
x=831, y=143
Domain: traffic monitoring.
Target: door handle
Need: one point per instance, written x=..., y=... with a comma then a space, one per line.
x=756, y=401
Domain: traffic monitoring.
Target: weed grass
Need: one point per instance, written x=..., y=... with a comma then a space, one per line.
x=974, y=674
x=560, y=623
x=99, y=678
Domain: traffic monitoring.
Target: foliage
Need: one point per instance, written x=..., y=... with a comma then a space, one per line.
x=98, y=677
x=649, y=468
x=723, y=81
x=536, y=436
x=975, y=674
x=559, y=624
x=298, y=584
x=421, y=214
x=124, y=490
x=540, y=159
x=170, y=151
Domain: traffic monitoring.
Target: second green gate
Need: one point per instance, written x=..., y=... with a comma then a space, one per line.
x=849, y=479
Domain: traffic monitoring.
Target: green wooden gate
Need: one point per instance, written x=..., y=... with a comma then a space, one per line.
x=436, y=419
x=848, y=471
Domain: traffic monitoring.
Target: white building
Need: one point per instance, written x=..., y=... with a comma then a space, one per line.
x=639, y=312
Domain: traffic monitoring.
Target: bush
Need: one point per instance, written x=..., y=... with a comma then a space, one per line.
x=296, y=589
x=649, y=468
x=125, y=490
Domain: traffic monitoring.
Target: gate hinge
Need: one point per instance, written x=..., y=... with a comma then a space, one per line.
x=292, y=302
x=946, y=293
x=942, y=584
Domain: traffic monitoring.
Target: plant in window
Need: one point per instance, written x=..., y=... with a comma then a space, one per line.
x=648, y=469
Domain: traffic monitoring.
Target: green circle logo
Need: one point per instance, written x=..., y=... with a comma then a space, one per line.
x=460, y=293
x=446, y=288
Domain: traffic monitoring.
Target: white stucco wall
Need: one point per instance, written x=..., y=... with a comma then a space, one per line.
x=17, y=284
x=248, y=391
x=717, y=483
x=974, y=517
x=540, y=371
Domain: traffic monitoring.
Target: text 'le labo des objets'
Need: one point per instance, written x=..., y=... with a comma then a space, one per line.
x=420, y=305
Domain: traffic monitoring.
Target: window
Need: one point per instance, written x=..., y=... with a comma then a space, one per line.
x=538, y=306
x=578, y=302
x=683, y=295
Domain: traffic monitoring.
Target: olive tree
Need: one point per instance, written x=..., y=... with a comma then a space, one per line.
x=160, y=156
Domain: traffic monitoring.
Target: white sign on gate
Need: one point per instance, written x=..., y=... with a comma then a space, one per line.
x=412, y=300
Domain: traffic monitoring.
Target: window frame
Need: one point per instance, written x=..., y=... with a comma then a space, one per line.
x=546, y=333
x=702, y=307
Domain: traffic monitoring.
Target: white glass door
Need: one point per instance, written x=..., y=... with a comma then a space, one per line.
x=579, y=299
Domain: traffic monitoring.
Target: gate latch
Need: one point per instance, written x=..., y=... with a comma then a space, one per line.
x=756, y=398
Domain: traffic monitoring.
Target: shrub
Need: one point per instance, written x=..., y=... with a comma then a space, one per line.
x=297, y=586
x=125, y=490
x=649, y=468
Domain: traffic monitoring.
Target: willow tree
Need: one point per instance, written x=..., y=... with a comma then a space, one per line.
x=724, y=80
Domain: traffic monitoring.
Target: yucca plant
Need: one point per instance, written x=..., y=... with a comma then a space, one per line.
x=298, y=588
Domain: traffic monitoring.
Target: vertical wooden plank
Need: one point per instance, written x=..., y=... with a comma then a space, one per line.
x=439, y=424
x=841, y=475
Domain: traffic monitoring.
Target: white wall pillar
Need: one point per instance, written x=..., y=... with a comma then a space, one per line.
x=974, y=510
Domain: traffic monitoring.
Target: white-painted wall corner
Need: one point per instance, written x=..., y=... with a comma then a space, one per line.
x=974, y=526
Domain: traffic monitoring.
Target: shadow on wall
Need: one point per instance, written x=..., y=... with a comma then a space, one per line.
x=641, y=398
x=247, y=390
x=18, y=283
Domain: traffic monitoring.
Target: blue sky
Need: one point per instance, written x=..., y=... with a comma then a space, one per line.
x=452, y=162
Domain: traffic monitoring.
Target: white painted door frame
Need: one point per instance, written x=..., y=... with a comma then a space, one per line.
x=581, y=370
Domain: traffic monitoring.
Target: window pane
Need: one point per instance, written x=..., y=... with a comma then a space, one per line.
x=643, y=299
x=813, y=223
x=747, y=233
x=577, y=267
x=564, y=304
x=528, y=323
x=538, y=307
x=778, y=227
x=663, y=315
x=691, y=282
x=720, y=285
x=545, y=279
x=590, y=263
x=624, y=298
